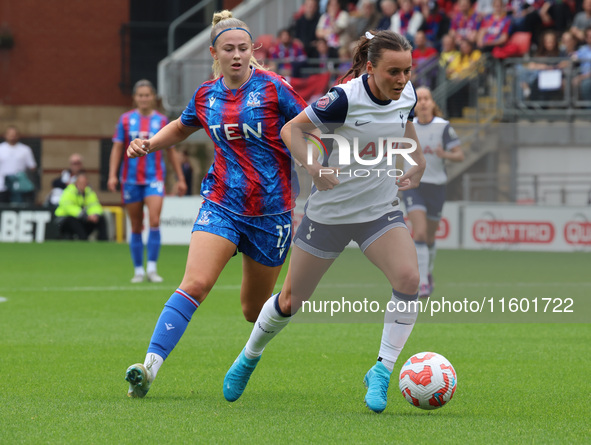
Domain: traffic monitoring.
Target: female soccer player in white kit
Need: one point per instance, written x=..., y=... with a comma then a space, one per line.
x=345, y=206
x=425, y=203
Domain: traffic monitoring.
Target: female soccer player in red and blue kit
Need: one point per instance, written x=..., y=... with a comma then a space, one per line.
x=247, y=191
x=142, y=179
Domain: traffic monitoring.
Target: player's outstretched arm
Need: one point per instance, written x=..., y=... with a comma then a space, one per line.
x=293, y=138
x=173, y=133
x=412, y=178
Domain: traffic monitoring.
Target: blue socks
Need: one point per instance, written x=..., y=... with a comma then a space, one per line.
x=136, y=247
x=154, y=244
x=172, y=323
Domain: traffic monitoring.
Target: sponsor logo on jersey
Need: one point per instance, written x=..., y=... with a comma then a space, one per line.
x=211, y=101
x=253, y=99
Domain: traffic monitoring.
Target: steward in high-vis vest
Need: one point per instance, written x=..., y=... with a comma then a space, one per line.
x=79, y=211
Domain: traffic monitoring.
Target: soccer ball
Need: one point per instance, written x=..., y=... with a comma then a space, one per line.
x=428, y=380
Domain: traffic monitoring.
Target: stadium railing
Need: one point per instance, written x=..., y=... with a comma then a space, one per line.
x=187, y=67
x=541, y=94
x=547, y=188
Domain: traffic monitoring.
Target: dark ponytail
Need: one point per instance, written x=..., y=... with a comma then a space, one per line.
x=371, y=49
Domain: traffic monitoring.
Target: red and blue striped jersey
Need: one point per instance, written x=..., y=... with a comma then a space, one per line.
x=252, y=168
x=146, y=169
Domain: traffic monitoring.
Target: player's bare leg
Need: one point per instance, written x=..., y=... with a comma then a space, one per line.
x=258, y=282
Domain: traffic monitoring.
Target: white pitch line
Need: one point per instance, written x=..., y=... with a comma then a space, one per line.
x=3, y=300
x=321, y=286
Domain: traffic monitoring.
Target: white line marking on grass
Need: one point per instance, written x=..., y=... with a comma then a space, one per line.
x=520, y=284
x=237, y=286
x=3, y=300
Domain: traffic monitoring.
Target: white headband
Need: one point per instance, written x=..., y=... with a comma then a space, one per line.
x=369, y=35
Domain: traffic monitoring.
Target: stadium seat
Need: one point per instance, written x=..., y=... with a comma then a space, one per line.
x=262, y=45
x=518, y=45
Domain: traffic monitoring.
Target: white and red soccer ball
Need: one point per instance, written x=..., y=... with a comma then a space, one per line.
x=428, y=380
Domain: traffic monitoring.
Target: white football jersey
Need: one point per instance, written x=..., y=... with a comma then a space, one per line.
x=436, y=133
x=367, y=188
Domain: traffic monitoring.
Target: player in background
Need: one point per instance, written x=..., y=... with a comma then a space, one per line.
x=142, y=179
x=425, y=203
x=247, y=190
x=343, y=206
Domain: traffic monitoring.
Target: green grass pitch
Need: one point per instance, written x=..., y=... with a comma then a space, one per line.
x=71, y=323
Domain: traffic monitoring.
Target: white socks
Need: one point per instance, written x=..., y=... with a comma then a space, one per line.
x=423, y=258
x=269, y=323
x=153, y=362
x=151, y=267
x=432, y=253
x=397, y=327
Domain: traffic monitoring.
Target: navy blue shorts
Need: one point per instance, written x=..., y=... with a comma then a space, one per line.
x=328, y=241
x=426, y=197
x=136, y=193
x=265, y=239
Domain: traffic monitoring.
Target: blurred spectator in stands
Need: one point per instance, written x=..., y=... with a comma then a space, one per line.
x=67, y=177
x=582, y=81
x=323, y=56
x=424, y=56
x=568, y=44
x=287, y=56
x=484, y=7
x=367, y=18
x=494, y=29
x=435, y=23
x=448, y=51
x=304, y=28
x=465, y=63
x=332, y=25
x=534, y=15
x=16, y=159
x=528, y=76
x=582, y=21
x=345, y=60
x=465, y=23
x=460, y=68
x=525, y=16
x=79, y=212
x=389, y=8
x=407, y=20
